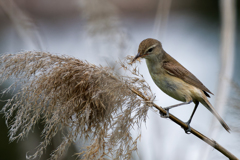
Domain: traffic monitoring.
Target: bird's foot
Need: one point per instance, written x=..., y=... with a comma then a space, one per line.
x=188, y=129
x=163, y=115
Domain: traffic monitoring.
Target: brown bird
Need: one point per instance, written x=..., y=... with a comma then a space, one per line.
x=175, y=80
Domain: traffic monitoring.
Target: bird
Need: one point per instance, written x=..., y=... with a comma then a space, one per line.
x=175, y=80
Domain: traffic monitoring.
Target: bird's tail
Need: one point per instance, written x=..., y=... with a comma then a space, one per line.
x=208, y=105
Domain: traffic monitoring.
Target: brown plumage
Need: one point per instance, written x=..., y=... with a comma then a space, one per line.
x=174, y=68
x=174, y=79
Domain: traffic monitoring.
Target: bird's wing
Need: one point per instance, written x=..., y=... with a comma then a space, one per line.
x=179, y=71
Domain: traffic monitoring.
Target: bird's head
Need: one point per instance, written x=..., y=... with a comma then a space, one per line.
x=148, y=48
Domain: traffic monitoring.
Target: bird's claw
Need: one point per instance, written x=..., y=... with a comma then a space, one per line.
x=188, y=130
x=163, y=115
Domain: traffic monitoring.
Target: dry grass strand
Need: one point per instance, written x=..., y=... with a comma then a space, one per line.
x=91, y=101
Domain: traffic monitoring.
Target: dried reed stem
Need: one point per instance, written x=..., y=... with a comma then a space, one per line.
x=212, y=143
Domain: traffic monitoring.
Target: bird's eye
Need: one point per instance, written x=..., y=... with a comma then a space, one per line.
x=150, y=50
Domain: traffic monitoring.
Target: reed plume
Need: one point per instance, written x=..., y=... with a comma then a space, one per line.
x=75, y=98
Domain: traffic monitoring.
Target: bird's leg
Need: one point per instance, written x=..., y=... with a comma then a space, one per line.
x=170, y=107
x=188, y=130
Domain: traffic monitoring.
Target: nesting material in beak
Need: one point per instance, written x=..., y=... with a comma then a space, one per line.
x=137, y=56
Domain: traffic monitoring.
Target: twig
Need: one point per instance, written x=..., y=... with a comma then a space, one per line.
x=212, y=143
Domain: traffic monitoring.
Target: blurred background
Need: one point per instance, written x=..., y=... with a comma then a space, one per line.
x=204, y=36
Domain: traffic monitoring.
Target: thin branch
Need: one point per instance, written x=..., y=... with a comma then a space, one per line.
x=212, y=143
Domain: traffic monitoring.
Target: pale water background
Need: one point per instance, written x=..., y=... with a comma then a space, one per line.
x=191, y=38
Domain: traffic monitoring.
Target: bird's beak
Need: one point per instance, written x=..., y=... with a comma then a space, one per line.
x=137, y=56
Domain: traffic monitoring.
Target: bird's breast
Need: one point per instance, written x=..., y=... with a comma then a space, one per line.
x=176, y=88
x=171, y=85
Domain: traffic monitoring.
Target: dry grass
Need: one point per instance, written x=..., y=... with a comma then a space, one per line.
x=63, y=92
